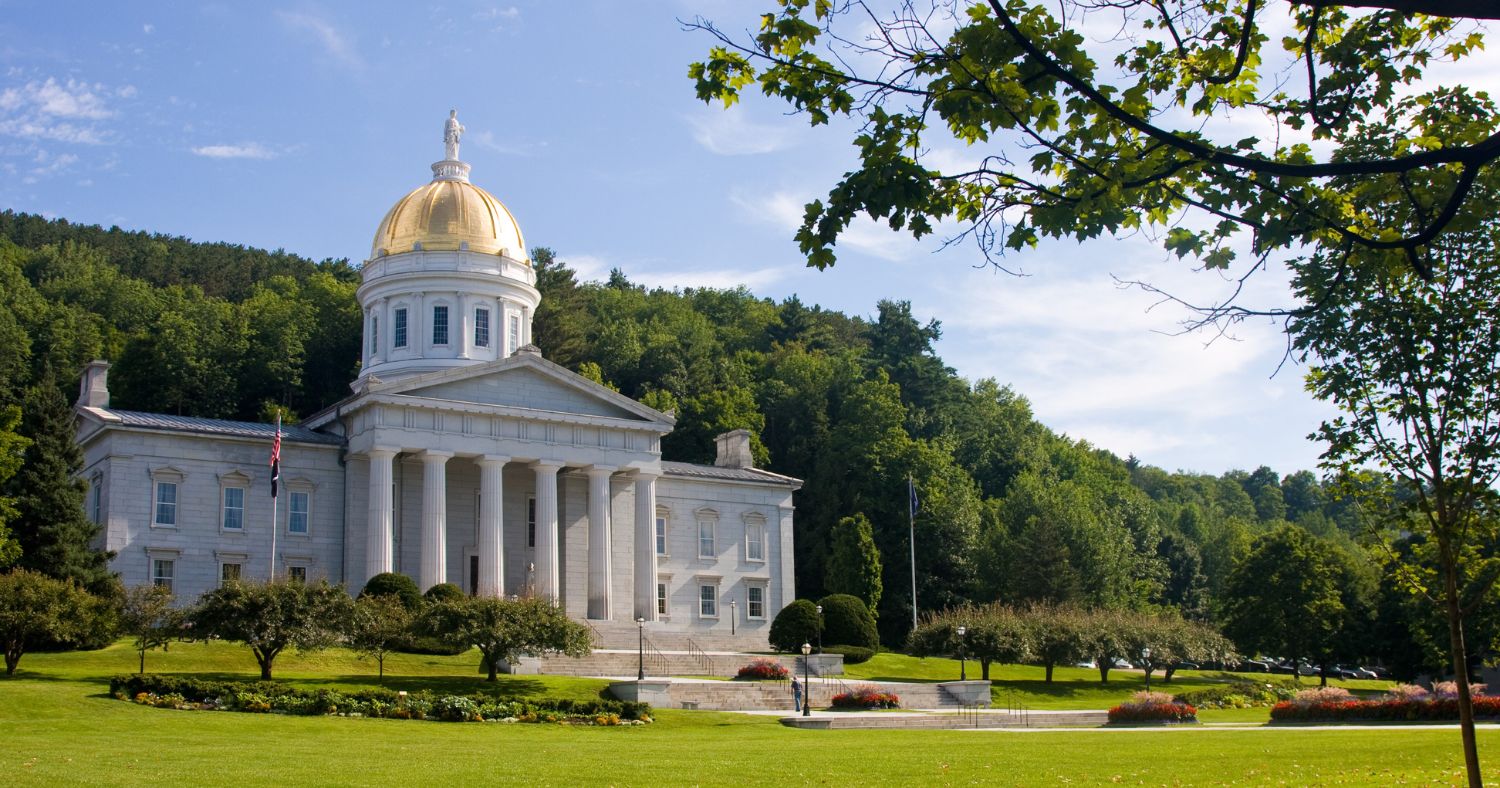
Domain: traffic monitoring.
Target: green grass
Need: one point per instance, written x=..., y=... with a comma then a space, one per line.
x=59, y=727
x=1071, y=688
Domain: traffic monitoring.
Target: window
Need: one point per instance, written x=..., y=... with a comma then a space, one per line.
x=166, y=505
x=755, y=601
x=96, y=499
x=481, y=327
x=705, y=538
x=374, y=335
x=296, y=574
x=661, y=534
x=398, y=336
x=661, y=600
x=228, y=572
x=440, y=325
x=234, y=509
x=755, y=541
x=161, y=572
x=708, y=600
x=531, y=522
x=296, y=520
x=513, y=340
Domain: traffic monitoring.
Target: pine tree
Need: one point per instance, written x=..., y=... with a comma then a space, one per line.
x=854, y=561
x=56, y=537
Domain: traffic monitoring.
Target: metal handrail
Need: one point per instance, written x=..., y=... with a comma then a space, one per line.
x=704, y=661
x=656, y=662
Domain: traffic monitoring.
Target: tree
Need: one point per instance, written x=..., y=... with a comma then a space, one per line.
x=148, y=615
x=394, y=584
x=504, y=629
x=1284, y=598
x=56, y=535
x=1413, y=365
x=847, y=622
x=854, y=561
x=993, y=633
x=1058, y=635
x=796, y=624
x=1077, y=137
x=271, y=617
x=381, y=624
x=37, y=609
x=12, y=453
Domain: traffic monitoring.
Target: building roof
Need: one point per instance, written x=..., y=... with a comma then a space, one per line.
x=237, y=429
x=728, y=474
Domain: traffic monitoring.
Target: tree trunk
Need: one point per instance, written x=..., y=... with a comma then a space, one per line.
x=1461, y=671
x=1049, y=667
x=13, y=658
x=380, y=664
x=264, y=659
x=142, y=671
x=984, y=669
x=1104, y=666
x=1323, y=675
x=1166, y=675
x=490, y=665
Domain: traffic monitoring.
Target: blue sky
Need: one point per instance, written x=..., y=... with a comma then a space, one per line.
x=297, y=125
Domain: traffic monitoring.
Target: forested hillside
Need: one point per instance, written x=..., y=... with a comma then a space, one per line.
x=854, y=405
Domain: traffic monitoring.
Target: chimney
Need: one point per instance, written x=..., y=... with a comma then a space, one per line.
x=93, y=387
x=734, y=450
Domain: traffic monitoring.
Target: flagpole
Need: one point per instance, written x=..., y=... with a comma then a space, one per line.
x=911, y=525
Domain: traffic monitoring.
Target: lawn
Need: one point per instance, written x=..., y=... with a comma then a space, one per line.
x=60, y=727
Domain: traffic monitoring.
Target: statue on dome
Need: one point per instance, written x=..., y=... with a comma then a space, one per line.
x=452, y=130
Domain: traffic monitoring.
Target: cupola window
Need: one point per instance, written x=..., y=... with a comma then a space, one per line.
x=440, y=325
x=398, y=335
x=481, y=327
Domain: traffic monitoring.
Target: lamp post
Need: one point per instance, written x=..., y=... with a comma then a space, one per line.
x=963, y=673
x=640, y=672
x=1146, y=665
x=820, y=630
x=734, y=614
x=806, y=687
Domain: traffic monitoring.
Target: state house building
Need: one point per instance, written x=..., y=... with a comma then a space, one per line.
x=462, y=456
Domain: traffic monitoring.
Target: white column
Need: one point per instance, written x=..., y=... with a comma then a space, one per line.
x=387, y=325
x=600, y=572
x=417, y=331
x=434, y=563
x=546, y=529
x=378, y=531
x=491, y=525
x=463, y=325
x=645, y=546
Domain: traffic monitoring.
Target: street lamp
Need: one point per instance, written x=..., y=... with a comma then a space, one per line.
x=734, y=614
x=806, y=687
x=1146, y=665
x=640, y=625
x=820, y=630
x=963, y=673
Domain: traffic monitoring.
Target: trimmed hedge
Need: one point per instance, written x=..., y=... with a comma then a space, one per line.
x=396, y=585
x=853, y=655
x=847, y=622
x=1387, y=710
x=270, y=696
x=796, y=624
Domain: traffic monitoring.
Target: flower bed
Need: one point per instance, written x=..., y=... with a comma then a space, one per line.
x=1382, y=710
x=866, y=697
x=1238, y=694
x=272, y=697
x=762, y=669
x=1153, y=707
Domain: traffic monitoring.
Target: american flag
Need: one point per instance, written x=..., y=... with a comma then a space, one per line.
x=276, y=457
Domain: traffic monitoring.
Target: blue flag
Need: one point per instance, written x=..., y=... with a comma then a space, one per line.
x=911, y=491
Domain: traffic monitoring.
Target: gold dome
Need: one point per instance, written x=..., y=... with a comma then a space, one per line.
x=449, y=214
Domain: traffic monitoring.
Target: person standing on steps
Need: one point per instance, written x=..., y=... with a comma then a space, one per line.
x=796, y=694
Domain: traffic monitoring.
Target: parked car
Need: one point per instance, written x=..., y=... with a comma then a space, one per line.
x=1253, y=666
x=1365, y=673
x=1185, y=665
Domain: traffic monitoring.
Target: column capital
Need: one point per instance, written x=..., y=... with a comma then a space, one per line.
x=601, y=470
x=491, y=459
x=382, y=451
x=436, y=454
x=642, y=475
x=547, y=465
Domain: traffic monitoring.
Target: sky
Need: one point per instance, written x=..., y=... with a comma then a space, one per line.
x=297, y=125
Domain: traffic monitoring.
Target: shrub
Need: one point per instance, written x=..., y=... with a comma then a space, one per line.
x=1387, y=709
x=1317, y=695
x=456, y=708
x=764, y=669
x=853, y=655
x=1153, y=712
x=396, y=585
x=866, y=696
x=847, y=622
x=1449, y=689
x=1406, y=692
x=796, y=624
x=444, y=592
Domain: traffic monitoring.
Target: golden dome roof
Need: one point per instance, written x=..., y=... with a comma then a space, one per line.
x=449, y=214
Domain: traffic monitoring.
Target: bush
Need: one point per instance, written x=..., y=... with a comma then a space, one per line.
x=796, y=624
x=1238, y=694
x=764, y=669
x=853, y=655
x=1406, y=692
x=847, y=622
x=1449, y=689
x=263, y=697
x=396, y=585
x=1153, y=712
x=444, y=592
x=1310, y=697
x=866, y=696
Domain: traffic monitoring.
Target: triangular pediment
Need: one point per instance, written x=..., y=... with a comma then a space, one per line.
x=525, y=381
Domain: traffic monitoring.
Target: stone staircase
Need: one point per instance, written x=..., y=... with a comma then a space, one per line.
x=732, y=695
x=984, y=720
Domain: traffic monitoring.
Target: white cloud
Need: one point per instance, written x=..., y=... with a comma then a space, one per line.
x=336, y=43
x=496, y=12
x=486, y=139
x=60, y=111
x=587, y=267
x=148, y=28
x=719, y=279
x=248, y=150
x=730, y=132
x=786, y=209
